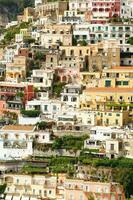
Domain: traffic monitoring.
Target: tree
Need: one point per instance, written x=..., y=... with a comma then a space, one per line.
x=82, y=43
x=39, y=56
x=130, y=40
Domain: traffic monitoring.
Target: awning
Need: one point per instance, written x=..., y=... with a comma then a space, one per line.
x=8, y=197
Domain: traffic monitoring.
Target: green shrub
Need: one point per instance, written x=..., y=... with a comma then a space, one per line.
x=30, y=113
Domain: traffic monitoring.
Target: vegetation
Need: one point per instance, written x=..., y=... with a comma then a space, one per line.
x=69, y=142
x=44, y=125
x=30, y=113
x=82, y=43
x=62, y=165
x=2, y=188
x=29, y=40
x=10, y=33
x=28, y=169
x=39, y=56
x=57, y=88
x=130, y=40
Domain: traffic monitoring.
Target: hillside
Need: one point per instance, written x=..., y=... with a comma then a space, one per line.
x=10, y=8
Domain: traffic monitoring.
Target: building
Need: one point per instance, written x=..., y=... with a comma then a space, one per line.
x=49, y=108
x=102, y=11
x=71, y=95
x=127, y=9
x=52, y=38
x=101, y=138
x=42, y=79
x=114, y=148
x=21, y=186
x=53, y=9
x=88, y=58
x=17, y=69
x=80, y=189
x=16, y=142
x=15, y=95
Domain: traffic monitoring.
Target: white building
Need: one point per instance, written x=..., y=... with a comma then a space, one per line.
x=127, y=9
x=71, y=95
x=10, y=52
x=99, y=135
x=98, y=32
x=43, y=137
x=86, y=118
x=42, y=78
x=71, y=17
x=104, y=133
x=38, y=2
x=16, y=142
x=114, y=148
x=50, y=109
x=28, y=120
x=49, y=38
x=82, y=5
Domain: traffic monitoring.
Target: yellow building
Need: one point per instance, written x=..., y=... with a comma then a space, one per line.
x=17, y=69
x=117, y=77
x=100, y=98
x=109, y=51
x=112, y=118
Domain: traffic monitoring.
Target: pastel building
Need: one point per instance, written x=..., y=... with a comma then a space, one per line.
x=71, y=95
x=9, y=95
x=103, y=10
x=17, y=69
x=42, y=78
x=16, y=142
x=21, y=186
x=82, y=190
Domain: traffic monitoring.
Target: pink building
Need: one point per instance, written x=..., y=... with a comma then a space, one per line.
x=103, y=10
x=82, y=190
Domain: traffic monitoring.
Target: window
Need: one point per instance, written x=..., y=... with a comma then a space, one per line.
x=107, y=121
x=81, y=197
x=125, y=82
x=17, y=180
x=117, y=114
x=51, y=59
x=118, y=83
x=107, y=83
x=45, y=107
x=112, y=147
x=50, y=192
x=73, y=99
x=71, y=197
x=80, y=52
x=54, y=108
x=116, y=122
x=65, y=98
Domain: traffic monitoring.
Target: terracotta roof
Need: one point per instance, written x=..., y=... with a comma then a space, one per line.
x=18, y=127
x=109, y=89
